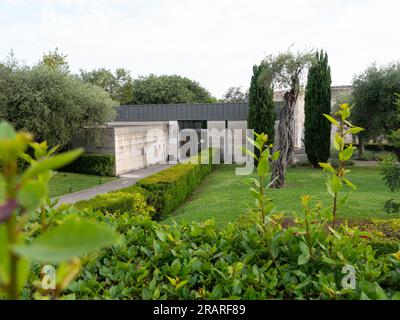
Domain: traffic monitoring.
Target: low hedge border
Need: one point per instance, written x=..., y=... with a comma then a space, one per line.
x=132, y=200
x=378, y=147
x=157, y=195
x=171, y=187
x=95, y=164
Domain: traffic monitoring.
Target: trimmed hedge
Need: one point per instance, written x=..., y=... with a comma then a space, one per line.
x=378, y=147
x=170, y=188
x=158, y=194
x=95, y=164
x=132, y=201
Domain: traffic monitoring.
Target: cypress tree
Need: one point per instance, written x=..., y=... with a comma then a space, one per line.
x=317, y=129
x=261, y=116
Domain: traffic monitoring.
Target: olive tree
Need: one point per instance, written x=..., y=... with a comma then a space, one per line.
x=52, y=104
x=374, y=102
x=288, y=71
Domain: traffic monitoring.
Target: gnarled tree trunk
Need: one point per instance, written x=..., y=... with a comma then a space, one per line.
x=286, y=132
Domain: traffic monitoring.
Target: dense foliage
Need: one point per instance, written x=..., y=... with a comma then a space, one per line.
x=166, y=89
x=54, y=105
x=95, y=164
x=23, y=199
x=261, y=256
x=195, y=261
x=170, y=188
x=261, y=116
x=374, y=99
x=235, y=95
x=119, y=85
x=317, y=130
x=394, y=139
x=391, y=173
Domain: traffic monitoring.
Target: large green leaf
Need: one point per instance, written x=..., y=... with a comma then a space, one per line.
x=336, y=183
x=6, y=131
x=326, y=167
x=346, y=154
x=52, y=163
x=355, y=130
x=263, y=167
x=251, y=154
x=254, y=143
x=331, y=119
x=350, y=184
x=74, y=238
x=305, y=254
x=4, y=257
x=31, y=194
x=3, y=187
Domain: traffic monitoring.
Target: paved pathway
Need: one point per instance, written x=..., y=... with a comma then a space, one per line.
x=359, y=163
x=124, y=181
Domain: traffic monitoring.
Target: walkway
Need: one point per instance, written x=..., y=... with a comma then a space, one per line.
x=124, y=181
x=359, y=163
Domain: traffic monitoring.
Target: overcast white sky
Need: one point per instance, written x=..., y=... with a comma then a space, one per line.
x=214, y=42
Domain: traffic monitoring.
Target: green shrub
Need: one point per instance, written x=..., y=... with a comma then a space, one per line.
x=385, y=235
x=170, y=188
x=195, y=261
x=95, y=164
x=53, y=105
x=392, y=206
x=394, y=139
x=134, y=203
x=391, y=173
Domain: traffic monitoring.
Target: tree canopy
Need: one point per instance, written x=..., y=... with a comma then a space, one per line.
x=317, y=129
x=374, y=100
x=236, y=95
x=261, y=116
x=50, y=103
x=119, y=85
x=56, y=60
x=287, y=70
x=167, y=89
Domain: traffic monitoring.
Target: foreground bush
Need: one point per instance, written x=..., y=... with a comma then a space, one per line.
x=95, y=164
x=260, y=257
x=23, y=198
x=195, y=261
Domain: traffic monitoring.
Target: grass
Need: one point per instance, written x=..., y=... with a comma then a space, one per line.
x=63, y=183
x=224, y=196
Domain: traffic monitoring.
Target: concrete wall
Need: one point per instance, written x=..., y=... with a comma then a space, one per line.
x=134, y=145
x=140, y=146
x=98, y=140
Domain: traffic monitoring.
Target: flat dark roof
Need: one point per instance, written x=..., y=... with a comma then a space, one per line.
x=185, y=111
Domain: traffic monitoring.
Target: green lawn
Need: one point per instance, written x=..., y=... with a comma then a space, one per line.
x=224, y=196
x=64, y=183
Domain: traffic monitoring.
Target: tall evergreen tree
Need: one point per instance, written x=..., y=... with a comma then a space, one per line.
x=261, y=116
x=317, y=133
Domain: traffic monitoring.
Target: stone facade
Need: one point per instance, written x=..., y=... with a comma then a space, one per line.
x=135, y=145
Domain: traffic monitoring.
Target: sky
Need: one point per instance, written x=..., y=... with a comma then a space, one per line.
x=215, y=42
